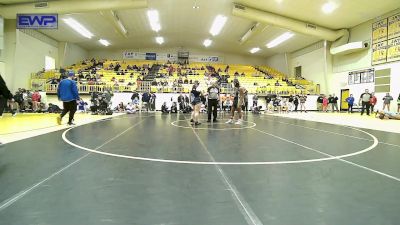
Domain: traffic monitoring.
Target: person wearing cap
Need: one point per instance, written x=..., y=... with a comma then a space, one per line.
x=213, y=97
x=238, y=101
x=67, y=92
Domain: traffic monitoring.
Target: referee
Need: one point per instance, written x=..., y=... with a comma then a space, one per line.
x=67, y=92
x=213, y=97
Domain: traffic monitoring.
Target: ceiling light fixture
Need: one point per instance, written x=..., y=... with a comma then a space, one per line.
x=329, y=7
x=104, y=42
x=279, y=40
x=154, y=20
x=160, y=40
x=207, y=42
x=254, y=50
x=195, y=6
x=78, y=27
x=217, y=25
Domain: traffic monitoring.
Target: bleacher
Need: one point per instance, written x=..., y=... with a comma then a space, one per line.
x=261, y=79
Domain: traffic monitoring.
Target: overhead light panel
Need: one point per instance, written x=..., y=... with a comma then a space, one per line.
x=207, y=42
x=217, y=25
x=329, y=7
x=254, y=50
x=122, y=27
x=78, y=27
x=154, y=20
x=160, y=40
x=104, y=42
x=279, y=40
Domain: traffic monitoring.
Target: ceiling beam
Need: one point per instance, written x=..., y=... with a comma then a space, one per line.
x=288, y=23
x=71, y=6
x=116, y=21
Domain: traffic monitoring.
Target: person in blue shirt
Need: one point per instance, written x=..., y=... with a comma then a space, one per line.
x=350, y=102
x=67, y=92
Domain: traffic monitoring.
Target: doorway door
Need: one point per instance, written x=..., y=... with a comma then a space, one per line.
x=343, y=104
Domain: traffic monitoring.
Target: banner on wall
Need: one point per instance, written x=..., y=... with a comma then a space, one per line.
x=151, y=56
x=166, y=57
x=380, y=31
x=379, y=53
x=134, y=55
x=169, y=57
x=203, y=58
x=393, y=50
x=394, y=26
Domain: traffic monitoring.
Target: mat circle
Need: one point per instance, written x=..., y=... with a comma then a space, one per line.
x=374, y=144
x=205, y=123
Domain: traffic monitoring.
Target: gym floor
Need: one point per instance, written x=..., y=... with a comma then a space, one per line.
x=153, y=169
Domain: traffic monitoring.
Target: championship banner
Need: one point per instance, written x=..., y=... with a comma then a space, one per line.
x=393, y=50
x=379, y=53
x=394, y=27
x=379, y=31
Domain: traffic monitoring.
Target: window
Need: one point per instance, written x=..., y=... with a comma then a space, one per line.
x=49, y=63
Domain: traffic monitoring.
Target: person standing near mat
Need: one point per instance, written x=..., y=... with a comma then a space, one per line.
x=364, y=102
x=386, y=101
x=350, y=102
x=5, y=95
x=67, y=92
x=196, y=103
x=398, y=104
x=213, y=97
x=238, y=101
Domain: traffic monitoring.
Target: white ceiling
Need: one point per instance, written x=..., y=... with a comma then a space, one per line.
x=183, y=26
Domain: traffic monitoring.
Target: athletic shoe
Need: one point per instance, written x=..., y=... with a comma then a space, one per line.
x=215, y=120
x=239, y=122
x=71, y=124
x=230, y=121
x=59, y=120
x=197, y=123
